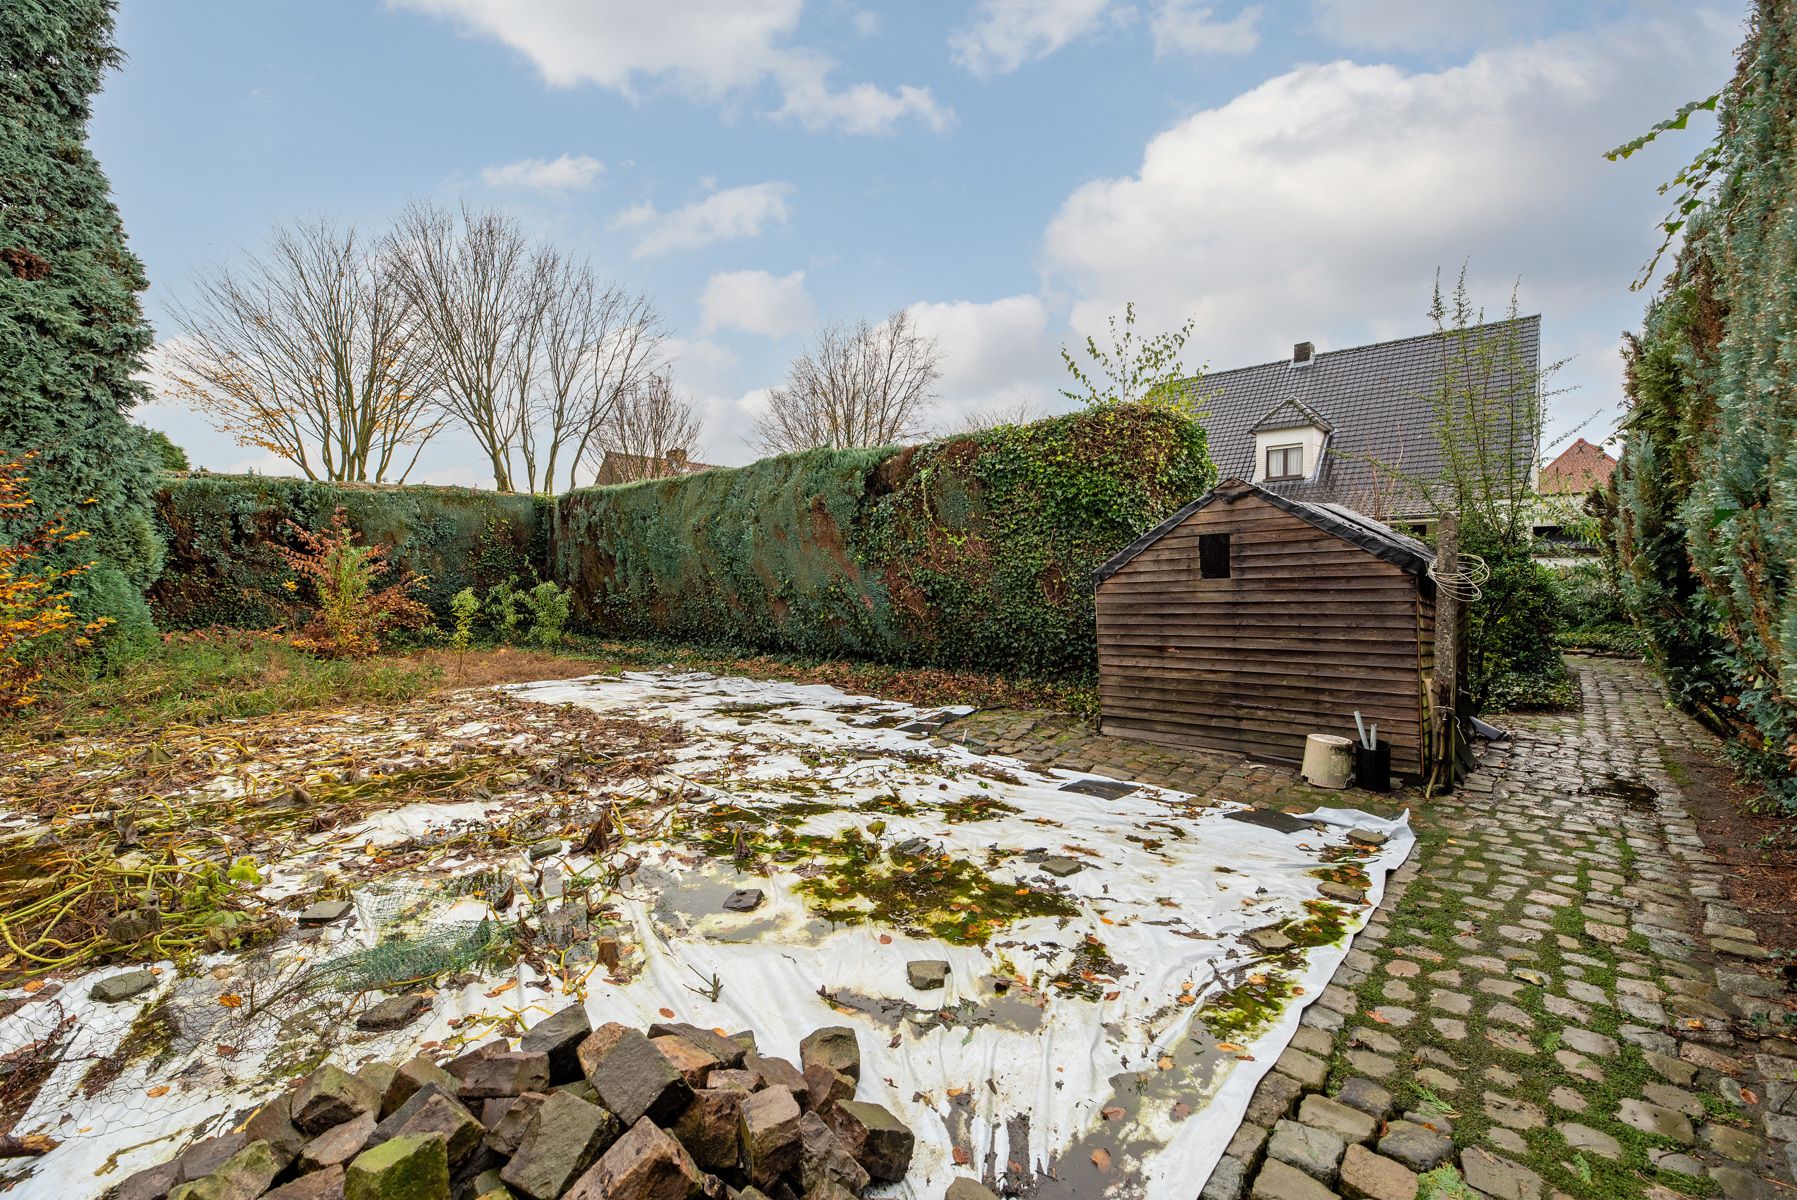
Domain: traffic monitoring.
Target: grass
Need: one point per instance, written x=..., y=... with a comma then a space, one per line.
x=204, y=678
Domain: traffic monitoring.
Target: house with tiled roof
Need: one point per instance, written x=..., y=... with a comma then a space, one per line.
x=1579, y=468
x=617, y=467
x=1358, y=427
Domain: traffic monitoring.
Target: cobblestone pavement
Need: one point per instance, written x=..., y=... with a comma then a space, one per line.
x=1555, y=998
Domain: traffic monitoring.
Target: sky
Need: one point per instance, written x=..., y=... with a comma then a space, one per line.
x=1012, y=172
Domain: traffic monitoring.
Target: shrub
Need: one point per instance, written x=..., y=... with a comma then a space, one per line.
x=549, y=608
x=225, y=534
x=352, y=612
x=463, y=607
x=72, y=332
x=1707, y=488
x=37, y=572
x=1510, y=646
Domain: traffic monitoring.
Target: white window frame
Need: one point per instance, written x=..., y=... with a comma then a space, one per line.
x=1285, y=452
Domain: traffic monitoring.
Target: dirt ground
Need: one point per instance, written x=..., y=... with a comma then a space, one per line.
x=1759, y=852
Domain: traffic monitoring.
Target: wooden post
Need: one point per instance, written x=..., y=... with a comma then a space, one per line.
x=1445, y=683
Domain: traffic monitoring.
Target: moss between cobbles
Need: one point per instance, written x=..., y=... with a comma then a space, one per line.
x=1425, y=918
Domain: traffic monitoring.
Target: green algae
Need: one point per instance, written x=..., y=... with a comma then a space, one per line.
x=969, y=809
x=1091, y=971
x=851, y=879
x=1248, y=1009
x=1324, y=924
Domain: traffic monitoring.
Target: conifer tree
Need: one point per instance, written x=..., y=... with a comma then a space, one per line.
x=72, y=332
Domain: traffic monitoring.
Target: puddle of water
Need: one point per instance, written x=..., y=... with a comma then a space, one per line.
x=1635, y=795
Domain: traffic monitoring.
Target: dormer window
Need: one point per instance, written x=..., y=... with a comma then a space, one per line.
x=1285, y=462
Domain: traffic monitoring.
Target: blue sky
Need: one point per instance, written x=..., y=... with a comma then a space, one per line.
x=1009, y=171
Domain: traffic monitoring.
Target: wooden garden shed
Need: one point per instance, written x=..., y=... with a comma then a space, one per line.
x=1247, y=621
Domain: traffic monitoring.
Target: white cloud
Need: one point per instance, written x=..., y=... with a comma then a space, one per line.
x=706, y=49
x=994, y=355
x=569, y=172
x=859, y=108
x=1005, y=34
x=726, y=215
x=756, y=302
x=1190, y=27
x=1438, y=25
x=1319, y=204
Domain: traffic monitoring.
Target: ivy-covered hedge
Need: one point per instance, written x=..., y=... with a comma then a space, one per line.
x=973, y=551
x=222, y=533
x=1706, y=492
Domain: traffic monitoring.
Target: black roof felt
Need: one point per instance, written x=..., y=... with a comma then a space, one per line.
x=1381, y=541
x=1376, y=402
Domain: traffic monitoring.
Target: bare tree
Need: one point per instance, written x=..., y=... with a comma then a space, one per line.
x=601, y=342
x=311, y=352
x=1012, y=412
x=648, y=432
x=468, y=275
x=533, y=347
x=865, y=385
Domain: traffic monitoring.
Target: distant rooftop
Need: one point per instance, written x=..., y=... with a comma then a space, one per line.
x=1580, y=467
x=628, y=468
x=1374, y=404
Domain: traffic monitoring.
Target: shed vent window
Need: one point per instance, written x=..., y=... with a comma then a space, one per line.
x=1213, y=556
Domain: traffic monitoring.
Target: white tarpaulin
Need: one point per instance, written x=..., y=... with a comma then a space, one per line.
x=1105, y=1015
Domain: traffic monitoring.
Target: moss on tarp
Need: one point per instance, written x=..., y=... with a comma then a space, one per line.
x=972, y=551
x=223, y=533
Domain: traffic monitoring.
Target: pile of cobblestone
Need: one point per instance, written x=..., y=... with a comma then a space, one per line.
x=611, y=1113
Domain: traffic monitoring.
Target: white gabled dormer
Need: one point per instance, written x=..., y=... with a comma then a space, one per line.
x=1290, y=440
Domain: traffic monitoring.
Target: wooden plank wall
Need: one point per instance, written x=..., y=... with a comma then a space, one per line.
x=1307, y=629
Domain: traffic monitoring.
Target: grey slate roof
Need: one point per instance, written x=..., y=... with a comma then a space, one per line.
x=1377, y=539
x=1377, y=402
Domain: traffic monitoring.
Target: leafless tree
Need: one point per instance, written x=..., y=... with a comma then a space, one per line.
x=860, y=385
x=467, y=273
x=601, y=343
x=648, y=432
x=1012, y=412
x=311, y=351
x=533, y=347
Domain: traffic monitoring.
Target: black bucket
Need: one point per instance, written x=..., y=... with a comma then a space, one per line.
x=1372, y=767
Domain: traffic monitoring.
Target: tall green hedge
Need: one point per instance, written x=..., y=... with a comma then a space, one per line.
x=222, y=533
x=974, y=551
x=72, y=333
x=1707, y=490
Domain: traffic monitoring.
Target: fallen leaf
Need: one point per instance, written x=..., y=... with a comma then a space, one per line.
x=1181, y=1111
x=36, y=985
x=160, y=1089
x=231, y=1000
x=1165, y=1062
x=962, y=1157
x=1101, y=1158
x=666, y=1012
x=1186, y=998
x=885, y=939
x=1229, y=1047
x=1379, y=1017
x=1747, y=1097
x=226, y=1051
x=1112, y=995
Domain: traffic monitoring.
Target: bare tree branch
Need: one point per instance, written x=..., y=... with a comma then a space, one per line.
x=312, y=352
x=648, y=432
x=865, y=385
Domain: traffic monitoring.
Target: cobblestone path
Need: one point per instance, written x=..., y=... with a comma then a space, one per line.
x=1554, y=999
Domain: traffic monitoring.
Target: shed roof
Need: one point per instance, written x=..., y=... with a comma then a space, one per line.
x=1378, y=405
x=1379, y=540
